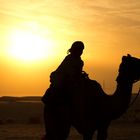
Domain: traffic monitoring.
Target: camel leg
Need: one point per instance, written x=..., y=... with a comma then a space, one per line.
x=102, y=133
x=87, y=136
x=56, y=126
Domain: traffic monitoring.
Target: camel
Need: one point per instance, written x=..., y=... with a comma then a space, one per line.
x=91, y=109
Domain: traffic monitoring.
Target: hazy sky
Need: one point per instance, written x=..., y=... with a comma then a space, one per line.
x=35, y=36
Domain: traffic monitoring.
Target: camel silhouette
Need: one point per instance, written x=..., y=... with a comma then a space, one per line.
x=90, y=108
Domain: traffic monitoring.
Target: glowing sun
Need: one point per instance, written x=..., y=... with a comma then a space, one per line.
x=28, y=46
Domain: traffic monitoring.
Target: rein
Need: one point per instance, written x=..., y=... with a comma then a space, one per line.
x=135, y=98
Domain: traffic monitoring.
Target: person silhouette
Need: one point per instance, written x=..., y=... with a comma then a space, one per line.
x=65, y=78
x=68, y=74
x=71, y=68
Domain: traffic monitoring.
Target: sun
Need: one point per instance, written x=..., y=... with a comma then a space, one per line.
x=29, y=46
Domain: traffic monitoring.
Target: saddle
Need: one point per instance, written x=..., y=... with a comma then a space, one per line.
x=64, y=94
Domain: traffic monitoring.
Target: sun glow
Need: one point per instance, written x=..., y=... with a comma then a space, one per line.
x=29, y=46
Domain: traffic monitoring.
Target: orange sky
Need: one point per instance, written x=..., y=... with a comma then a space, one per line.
x=35, y=36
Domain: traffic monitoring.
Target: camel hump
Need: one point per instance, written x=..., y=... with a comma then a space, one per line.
x=93, y=87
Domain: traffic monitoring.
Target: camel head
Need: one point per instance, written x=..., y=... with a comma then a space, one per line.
x=129, y=69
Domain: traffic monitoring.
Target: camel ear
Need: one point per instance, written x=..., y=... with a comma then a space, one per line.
x=124, y=58
x=128, y=55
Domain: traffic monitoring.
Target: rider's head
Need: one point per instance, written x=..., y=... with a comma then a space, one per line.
x=76, y=48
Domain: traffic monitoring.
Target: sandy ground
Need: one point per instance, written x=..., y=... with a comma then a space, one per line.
x=125, y=131
x=23, y=121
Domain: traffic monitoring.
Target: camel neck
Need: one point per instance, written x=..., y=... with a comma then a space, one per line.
x=123, y=94
x=124, y=89
x=124, y=85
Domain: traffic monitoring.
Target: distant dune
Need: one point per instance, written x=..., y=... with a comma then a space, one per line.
x=37, y=98
x=24, y=98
